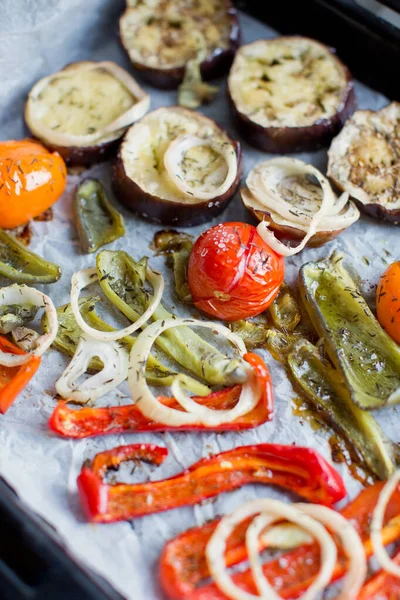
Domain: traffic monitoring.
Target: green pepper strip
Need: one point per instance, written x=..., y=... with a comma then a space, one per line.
x=177, y=247
x=16, y=315
x=284, y=310
x=367, y=357
x=23, y=266
x=123, y=282
x=69, y=333
x=326, y=390
x=97, y=221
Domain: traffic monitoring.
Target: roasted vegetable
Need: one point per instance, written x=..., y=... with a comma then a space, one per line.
x=184, y=570
x=69, y=333
x=31, y=180
x=177, y=167
x=289, y=94
x=364, y=160
x=22, y=265
x=14, y=379
x=284, y=310
x=83, y=110
x=128, y=418
x=177, y=247
x=388, y=301
x=161, y=37
x=232, y=273
x=297, y=201
x=324, y=387
x=97, y=221
x=365, y=355
x=16, y=315
x=298, y=469
x=193, y=92
x=123, y=282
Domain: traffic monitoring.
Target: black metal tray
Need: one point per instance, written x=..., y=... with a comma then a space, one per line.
x=34, y=565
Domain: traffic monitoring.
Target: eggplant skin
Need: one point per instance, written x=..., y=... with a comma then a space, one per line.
x=278, y=140
x=292, y=233
x=158, y=210
x=215, y=65
x=85, y=156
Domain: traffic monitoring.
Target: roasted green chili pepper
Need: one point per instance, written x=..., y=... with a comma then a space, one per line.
x=123, y=281
x=324, y=387
x=23, y=266
x=69, y=333
x=97, y=221
x=16, y=315
x=177, y=247
x=285, y=312
x=366, y=356
x=193, y=91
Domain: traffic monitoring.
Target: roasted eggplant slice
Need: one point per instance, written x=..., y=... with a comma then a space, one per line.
x=367, y=358
x=289, y=94
x=364, y=160
x=289, y=194
x=177, y=167
x=162, y=36
x=83, y=110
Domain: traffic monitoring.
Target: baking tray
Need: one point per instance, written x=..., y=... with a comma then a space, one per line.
x=34, y=562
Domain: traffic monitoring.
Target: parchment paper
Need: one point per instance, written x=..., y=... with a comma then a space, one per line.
x=39, y=37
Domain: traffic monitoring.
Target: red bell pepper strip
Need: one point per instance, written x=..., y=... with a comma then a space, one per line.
x=301, y=470
x=382, y=585
x=14, y=379
x=183, y=565
x=116, y=419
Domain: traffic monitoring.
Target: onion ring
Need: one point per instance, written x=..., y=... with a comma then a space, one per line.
x=16, y=294
x=115, y=360
x=311, y=518
x=149, y=405
x=174, y=155
x=263, y=184
x=381, y=555
x=85, y=277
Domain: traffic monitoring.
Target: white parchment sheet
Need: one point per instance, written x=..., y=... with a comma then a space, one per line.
x=38, y=37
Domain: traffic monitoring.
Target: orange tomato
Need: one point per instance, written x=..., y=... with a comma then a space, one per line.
x=388, y=301
x=31, y=180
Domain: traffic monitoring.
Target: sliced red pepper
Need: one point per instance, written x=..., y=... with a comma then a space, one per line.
x=116, y=419
x=301, y=470
x=382, y=585
x=183, y=565
x=14, y=379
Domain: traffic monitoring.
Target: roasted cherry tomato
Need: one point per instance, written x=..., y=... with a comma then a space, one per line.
x=388, y=301
x=232, y=273
x=31, y=180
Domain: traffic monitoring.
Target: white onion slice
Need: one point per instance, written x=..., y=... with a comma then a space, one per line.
x=173, y=158
x=273, y=510
x=381, y=555
x=309, y=518
x=85, y=277
x=263, y=185
x=115, y=360
x=19, y=294
x=149, y=405
x=139, y=108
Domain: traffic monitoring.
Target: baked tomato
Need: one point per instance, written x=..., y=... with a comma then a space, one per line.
x=388, y=301
x=232, y=273
x=31, y=180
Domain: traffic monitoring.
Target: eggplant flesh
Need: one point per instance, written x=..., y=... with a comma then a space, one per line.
x=161, y=37
x=364, y=160
x=141, y=181
x=83, y=110
x=289, y=94
x=367, y=358
x=326, y=391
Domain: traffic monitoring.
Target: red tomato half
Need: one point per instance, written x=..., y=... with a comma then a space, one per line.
x=232, y=272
